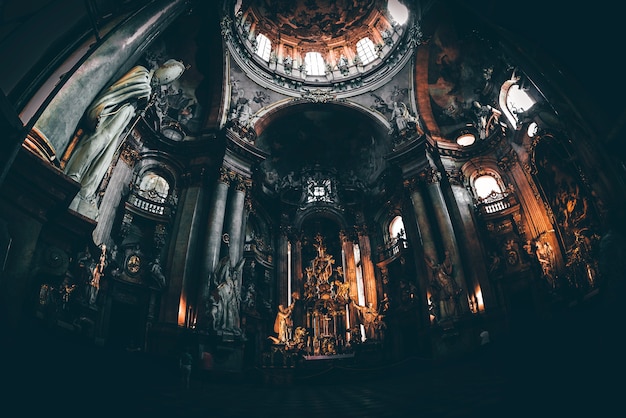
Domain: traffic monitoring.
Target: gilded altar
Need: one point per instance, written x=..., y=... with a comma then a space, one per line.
x=326, y=299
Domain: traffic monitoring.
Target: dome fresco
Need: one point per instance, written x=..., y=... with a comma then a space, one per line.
x=314, y=21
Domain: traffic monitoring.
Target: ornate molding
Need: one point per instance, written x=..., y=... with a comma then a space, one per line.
x=361, y=230
x=412, y=184
x=129, y=155
x=508, y=161
x=430, y=175
x=456, y=177
x=318, y=95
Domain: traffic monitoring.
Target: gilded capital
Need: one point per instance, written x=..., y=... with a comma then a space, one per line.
x=225, y=176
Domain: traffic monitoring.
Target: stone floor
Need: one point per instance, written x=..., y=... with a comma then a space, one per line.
x=564, y=368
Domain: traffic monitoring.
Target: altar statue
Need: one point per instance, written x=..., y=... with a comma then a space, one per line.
x=445, y=289
x=369, y=317
x=282, y=324
x=156, y=271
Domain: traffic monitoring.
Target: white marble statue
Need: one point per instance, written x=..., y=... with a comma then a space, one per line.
x=107, y=118
x=227, y=301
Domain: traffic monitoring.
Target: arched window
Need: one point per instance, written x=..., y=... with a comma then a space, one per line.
x=398, y=11
x=154, y=187
x=532, y=129
x=397, y=236
x=396, y=228
x=485, y=185
x=263, y=47
x=516, y=101
x=366, y=51
x=314, y=63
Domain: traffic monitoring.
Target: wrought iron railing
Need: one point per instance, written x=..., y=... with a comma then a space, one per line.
x=151, y=203
x=496, y=202
x=393, y=248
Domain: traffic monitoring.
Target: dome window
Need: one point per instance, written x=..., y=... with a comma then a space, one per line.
x=314, y=63
x=466, y=139
x=366, y=51
x=263, y=47
x=398, y=11
x=517, y=101
x=396, y=228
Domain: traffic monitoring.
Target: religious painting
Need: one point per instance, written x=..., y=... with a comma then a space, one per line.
x=568, y=196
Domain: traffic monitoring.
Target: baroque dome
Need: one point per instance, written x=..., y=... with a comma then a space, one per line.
x=350, y=41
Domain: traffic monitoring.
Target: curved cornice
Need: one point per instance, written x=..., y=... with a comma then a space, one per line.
x=268, y=114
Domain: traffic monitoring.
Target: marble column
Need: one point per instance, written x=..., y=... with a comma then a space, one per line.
x=236, y=206
x=121, y=176
x=212, y=246
x=297, y=277
x=537, y=215
x=191, y=210
x=447, y=234
x=349, y=271
x=415, y=188
x=423, y=224
x=215, y=225
x=247, y=209
x=476, y=270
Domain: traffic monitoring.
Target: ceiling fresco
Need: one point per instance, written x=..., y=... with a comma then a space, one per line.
x=464, y=76
x=314, y=20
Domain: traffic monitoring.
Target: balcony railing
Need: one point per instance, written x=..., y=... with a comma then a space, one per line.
x=393, y=248
x=151, y=203
x=496, y=203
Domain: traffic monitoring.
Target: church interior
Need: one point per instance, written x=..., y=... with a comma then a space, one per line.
x=350, y=207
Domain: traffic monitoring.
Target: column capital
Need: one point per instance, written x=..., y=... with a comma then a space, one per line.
x=242, y=183
x=361, y=230
x=429, y=175
x=412, y=184
x=129, y=154
x=285, y=230
x=456, y=177
x=225, y=176
x=346, y=236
